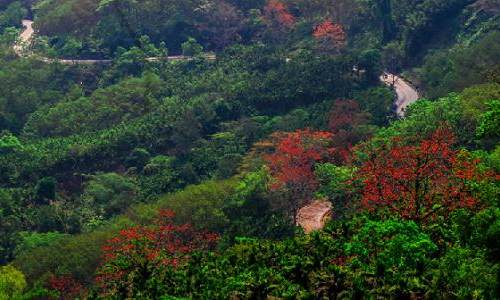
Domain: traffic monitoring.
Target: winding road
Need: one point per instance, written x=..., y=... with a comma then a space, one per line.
x=315, y=215
x=22, y=48
x=311, y=217
x=406, y=93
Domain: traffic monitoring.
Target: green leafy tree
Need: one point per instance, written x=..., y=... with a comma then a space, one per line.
x=45, y=190
x=9, y=143
x=334, y=185
x=394, y=253
x=12, y=283
x=191, y=48
x=12, y=15
x=109, y=194
x=465, y=273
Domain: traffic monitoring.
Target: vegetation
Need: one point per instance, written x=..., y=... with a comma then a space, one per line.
x=137, y=176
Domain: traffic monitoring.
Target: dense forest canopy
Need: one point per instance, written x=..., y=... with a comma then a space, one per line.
x=173, y=149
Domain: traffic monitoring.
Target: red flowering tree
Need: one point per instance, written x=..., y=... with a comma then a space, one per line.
x=419, y=182
x=66, y=287
x=292, y=164
x=330, y=36
x=139, y=254
x=277, y=16
x=345, y=118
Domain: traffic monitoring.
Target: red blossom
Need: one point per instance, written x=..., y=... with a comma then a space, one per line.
x=330, y=35
x=419, y=181
x=146, y=248
x=296, y=153
x=276, y=12
x=330, y=30
x=66, y=286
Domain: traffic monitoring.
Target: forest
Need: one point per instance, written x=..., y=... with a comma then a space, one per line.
x=249, y=149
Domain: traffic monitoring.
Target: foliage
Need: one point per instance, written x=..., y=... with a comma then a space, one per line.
x=11, y=16
x=490, y=121
x=32, y=240
x=334, y=185
x=465, y=273
x=395, y=253
x=12, y=283
x=418, y=182
x=9, y=143
x=331, y=36
x=292, y=165
x=277, y=14
x=108, y=194
x=456, y=69
x=191, y=48
x=89, y=150
x=138, y=254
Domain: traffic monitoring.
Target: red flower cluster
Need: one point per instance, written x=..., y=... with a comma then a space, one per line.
x=277, y=11
x=66, y=286
x=331, y=33
x=292, y=163
x=417, y=182
x=145, y=249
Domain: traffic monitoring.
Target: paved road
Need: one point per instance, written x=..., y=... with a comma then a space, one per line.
x=26, y=38
x=406, y=93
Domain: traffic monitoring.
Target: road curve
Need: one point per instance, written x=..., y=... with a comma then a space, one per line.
x=314, y=215
x=406, y=93
x=26, y=38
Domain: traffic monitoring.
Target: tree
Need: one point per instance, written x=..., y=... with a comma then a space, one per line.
x=12, y=283
x=9, y=143
x=140, y=254
x=330, y=36
x=108, y=194
x=386, y=257
x=465, y=273
x=418, y=182
x=45, y=190
x=191, y=48
x=369, y=61
x=12, y=15
x=11, y=218
x=335, y=186
x=220, y=23
x=345, y=116
x=379, y=103
x=393, y=57
x=292, y=164
x=138, y=159
x=489, y=126
x=278, y=18
x=65, y=286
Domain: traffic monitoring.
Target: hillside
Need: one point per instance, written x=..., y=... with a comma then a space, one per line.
x=257, y=149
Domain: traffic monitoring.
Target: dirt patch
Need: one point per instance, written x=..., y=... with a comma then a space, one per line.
x=314, y=216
